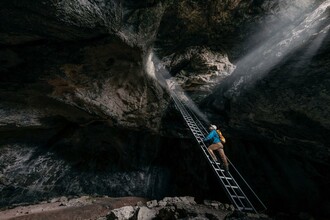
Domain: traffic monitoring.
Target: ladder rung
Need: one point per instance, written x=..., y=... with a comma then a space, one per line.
x=229, y=183
x=247, y=209
x=234, y=187
x=217, y=169
x=223, y=177
x=239, y=197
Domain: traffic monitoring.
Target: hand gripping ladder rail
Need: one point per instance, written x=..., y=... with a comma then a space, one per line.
x=231, y=187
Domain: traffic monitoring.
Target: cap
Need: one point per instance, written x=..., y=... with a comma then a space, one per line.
x=213, y=127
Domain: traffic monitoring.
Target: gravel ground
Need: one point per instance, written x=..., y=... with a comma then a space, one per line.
x=85, y=207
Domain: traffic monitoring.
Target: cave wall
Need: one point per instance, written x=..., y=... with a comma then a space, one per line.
x=274, y=106
x=80, y=160
x=277, y=116
x=91, y=55
x=225, y=25
x=79, y=111
x=81, y=115
x=75, y=159
x=75, y=98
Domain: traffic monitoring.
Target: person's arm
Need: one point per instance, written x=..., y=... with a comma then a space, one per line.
x=209, y=136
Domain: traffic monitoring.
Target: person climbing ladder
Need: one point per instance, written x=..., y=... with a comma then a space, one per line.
x=216, y=137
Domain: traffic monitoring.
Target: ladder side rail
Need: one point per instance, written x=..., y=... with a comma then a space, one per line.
x=256, y=196
x=249, y=202
x=239, y=189
x=250, y=188
x=201, y=126
x=231, y=195
x=197, y=137
x=231, y=186
x=228, y=192
x=225, y=181
x=184, y=111
x=201, y=143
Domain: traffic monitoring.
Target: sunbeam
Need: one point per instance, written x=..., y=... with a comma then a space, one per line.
x=157, y=71
x=288, y=38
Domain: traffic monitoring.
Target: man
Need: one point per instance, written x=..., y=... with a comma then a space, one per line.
x=216, y=145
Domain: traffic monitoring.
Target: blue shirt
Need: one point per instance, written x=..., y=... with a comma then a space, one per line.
x=213, y=135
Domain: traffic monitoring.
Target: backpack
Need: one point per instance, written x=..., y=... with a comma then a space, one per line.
x=222, y=138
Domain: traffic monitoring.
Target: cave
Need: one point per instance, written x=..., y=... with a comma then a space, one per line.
x=85, y=111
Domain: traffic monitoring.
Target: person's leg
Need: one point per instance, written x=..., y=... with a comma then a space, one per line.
x=223, y=158
x=211, y=148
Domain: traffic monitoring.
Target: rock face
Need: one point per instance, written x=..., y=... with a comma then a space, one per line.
x=224, y=25
x=197, y=70
x=291, y=96
x=74, y=78
x=90, y=55
x=75, y=164
x=276, y=104
x=81, y=112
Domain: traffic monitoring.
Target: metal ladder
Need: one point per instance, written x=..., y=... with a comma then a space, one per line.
x=231, y=187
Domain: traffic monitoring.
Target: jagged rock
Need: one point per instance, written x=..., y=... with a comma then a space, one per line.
x=123, y=213
x=24, y=166
x=224, y=24
x=152, y=203
x=173, y=208
x=215, y=204
x=102, y=71
x=80, y=108
x=198, y=69
x=187, y=200
x=237, y=215
x=274, y=101
x=146, y=213
x=168, y=213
